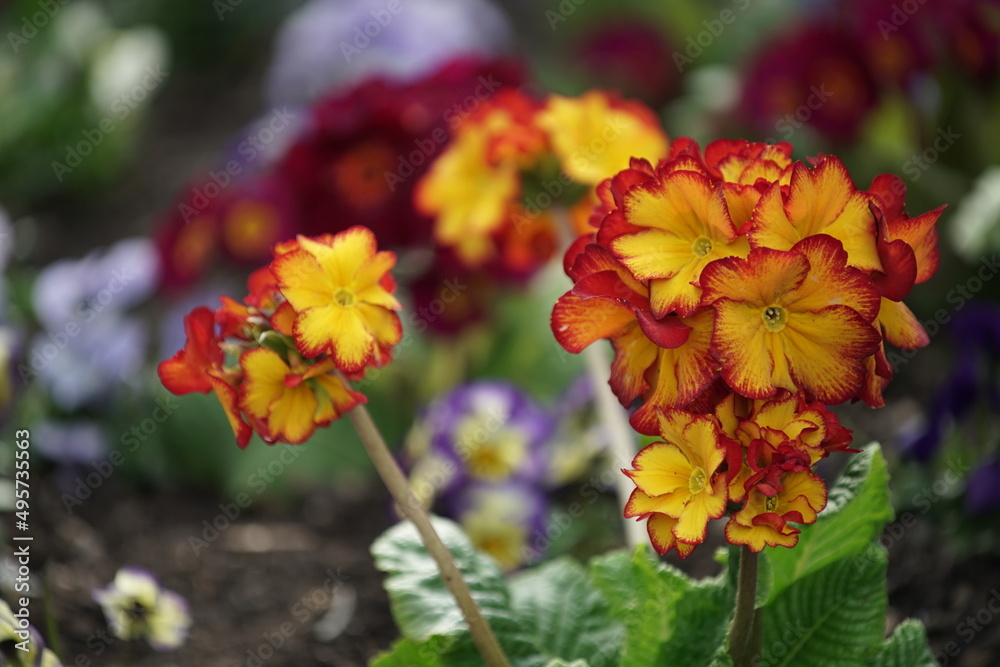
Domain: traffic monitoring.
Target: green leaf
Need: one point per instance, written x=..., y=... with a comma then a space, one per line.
x=410, y=653
x=424, y=608
x=857, y=509
x=906, y=648
x=559, y=662
x=828, y=618
x=568, y=616
x=669, y=618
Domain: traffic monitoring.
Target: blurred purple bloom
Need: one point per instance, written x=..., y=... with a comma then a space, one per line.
x=982, y=493
x=115, y=279
x=485, y=431
x=70, y=442
x=331, y=44
x=89, y=345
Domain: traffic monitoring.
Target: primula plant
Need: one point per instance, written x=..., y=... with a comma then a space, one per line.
x=744, y=295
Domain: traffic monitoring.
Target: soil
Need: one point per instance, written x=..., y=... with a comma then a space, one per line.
x=261, y=588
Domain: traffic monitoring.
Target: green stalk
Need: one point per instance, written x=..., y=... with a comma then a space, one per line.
x=411, y=508
x=745, y=634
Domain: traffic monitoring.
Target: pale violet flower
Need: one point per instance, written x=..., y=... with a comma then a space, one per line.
x=136, y=607
x=330, y=44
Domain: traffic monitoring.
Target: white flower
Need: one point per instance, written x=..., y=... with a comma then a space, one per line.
x=136, y=606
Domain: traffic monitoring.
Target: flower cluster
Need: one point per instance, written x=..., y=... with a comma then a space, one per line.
x=321, y=311
x=743, y=293
x=487, y=455
x=490, y=192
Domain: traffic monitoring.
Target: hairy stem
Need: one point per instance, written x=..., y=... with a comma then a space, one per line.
x=745, y=634
x=411, y=508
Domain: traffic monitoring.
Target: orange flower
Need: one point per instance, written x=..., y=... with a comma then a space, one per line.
x=667, y=361
x=594, y=136
x=341, y=291
x=798, y=319
x=471, y=188
x=764, y=519
x=681, y=223
x=199, y=368
x=822, y=200
x=287, y=404
x=681, y=476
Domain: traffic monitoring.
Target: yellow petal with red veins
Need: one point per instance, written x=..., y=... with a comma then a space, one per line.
x=265, y=374
x=758, y=537
x=826, y=349
x=831, y=281
x=804, y=493
x=578, y=322
x=742, y=344
x=334, y=398
x=693, y=521
x=653, y=253
x=660, y=468
x=901, y=326
x=292, y=416
x=230, y=400
x=383, y=325
x=348, y=252
x=661, y=534
x=335, y=329
x=302, y=280
x=680, y=375
x=371, y=271
x=640, y=504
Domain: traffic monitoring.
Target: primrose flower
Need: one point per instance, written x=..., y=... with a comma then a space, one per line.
x=288, y=404
x=515, y=157
x=681, y=477
x=136, y=607
x=471, y=189
x=595, y=135
x=763, y=520
x=743, y=293
x=791, y=319
x=13, y=637
x=341, y=291
x=323, y=307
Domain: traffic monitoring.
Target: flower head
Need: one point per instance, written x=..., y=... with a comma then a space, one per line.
x=341, y=291
x=137, y=607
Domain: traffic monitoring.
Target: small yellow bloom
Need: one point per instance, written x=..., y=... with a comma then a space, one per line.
x=342, y=295
x=594, y=136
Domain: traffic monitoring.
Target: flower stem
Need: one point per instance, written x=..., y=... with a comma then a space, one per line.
x=411, y=508
x=745, y=634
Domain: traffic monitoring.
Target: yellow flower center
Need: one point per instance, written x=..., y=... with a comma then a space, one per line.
x=701, y=246
x=774, y=318
x=771, y=503
x=344, y=297
x=697, y=480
